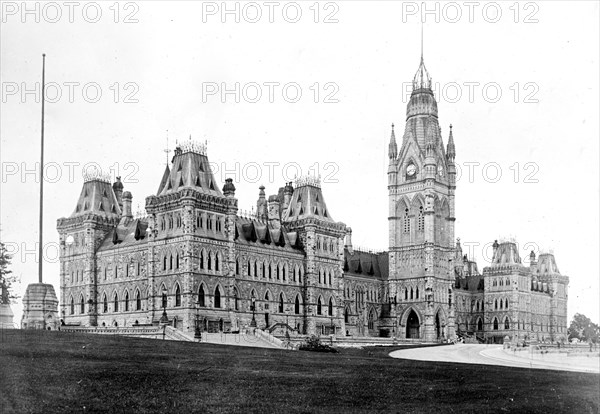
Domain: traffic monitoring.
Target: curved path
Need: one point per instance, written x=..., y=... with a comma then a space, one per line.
x=495, y=355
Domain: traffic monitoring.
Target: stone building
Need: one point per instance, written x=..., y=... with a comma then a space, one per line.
x=195, y=259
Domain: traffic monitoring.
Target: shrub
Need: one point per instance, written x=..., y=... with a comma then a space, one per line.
x=313, y=343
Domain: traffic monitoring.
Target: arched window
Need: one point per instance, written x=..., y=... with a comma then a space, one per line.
x=330, y=278
x=177, y=296
x=164, y=263
x=297, y=306
x=217, y=297
x=255, y=269
x=411, y=293
x=283, y=272
x=170, y=262
x=479, y=324
x=81, y=305
x=235, y=299
x=164, y=300
x=201, y=296
x=217, y=262
x=137, y=268
x=495, y=324
x=270, y=271
x=505, y=303
x=209, y=260
x=72, y=307
x=116, y=303
x=417, y=293
x=371, y=322
x=202, y=259
x=405, y=293
x=506, y=323
x=346, y=316
x=501, y=304
x=421, y=220
x=330, y=307
x=406, y=222
x=126, y=301
x=277, y=271
x=177, y=261
x=237, y=267
x=294, y=274
x=319, y=306
x=249, y=269
x=264, y=273
x=496, y=304
x=280, y=303
x=104, y=304
x=138, y=301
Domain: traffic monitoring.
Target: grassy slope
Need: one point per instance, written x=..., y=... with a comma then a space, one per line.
x=52, y=372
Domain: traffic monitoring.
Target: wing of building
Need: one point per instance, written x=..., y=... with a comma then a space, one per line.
x=195, y=259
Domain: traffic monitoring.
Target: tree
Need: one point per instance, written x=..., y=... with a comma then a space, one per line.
x=6, y=278
x=583, y=329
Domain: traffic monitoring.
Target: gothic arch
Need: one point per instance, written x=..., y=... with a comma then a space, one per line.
x=411, y=321
x=319, y=305
x=81, y=304
x=217, y=296
x=177, y=294
x=126, y=300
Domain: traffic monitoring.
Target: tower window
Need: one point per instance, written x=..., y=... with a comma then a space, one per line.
x=421, y=221
x=406, y=222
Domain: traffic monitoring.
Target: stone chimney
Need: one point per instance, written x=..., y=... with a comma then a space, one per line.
x=261, y=204
x=273, y=212
x=126, y=202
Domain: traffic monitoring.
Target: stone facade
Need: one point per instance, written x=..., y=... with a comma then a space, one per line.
x=195, y=259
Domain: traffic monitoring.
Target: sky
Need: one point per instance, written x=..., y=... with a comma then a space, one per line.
x=284, y=89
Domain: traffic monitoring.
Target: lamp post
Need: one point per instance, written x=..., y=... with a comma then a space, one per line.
x=197, y=332
x=253, y=306
x=164, y=319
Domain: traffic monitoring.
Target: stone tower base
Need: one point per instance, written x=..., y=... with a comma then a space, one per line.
x=40, y=307
x=6, y=316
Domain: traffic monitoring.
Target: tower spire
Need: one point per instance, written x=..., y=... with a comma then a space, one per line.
x=167, y=150
x=393, y=147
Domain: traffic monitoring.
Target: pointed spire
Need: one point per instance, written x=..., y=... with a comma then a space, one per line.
x=393, y=147
x=451, y=150
x=422, y=80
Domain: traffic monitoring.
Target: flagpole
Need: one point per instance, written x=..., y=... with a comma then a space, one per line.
x=41, y=249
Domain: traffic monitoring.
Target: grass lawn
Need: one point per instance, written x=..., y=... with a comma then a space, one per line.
x=49, y=372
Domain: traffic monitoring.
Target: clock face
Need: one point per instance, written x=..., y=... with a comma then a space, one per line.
x=411, y=169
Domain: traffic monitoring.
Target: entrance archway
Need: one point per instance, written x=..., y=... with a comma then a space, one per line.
x=438, y=327
x=413, y=326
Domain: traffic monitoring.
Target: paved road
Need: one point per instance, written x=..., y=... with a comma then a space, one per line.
x=495, y=355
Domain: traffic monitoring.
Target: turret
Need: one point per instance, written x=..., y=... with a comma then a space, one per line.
x=229, y=188
x=348, y=241
x=288, y=190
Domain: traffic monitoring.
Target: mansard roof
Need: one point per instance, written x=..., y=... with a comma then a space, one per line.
x=307, y=202
x=127, y=233
x=259, y=232
x=97, y=196
x=366, y=264
x=190, y=169
x=547, y=264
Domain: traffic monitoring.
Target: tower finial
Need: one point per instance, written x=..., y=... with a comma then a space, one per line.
x=167, y=150
x=421, y=41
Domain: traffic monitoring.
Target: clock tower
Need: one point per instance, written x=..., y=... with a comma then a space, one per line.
x=421, y=184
